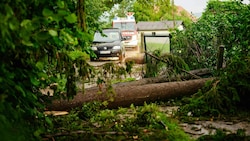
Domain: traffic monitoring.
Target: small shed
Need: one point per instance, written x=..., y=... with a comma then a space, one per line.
x=156, y=34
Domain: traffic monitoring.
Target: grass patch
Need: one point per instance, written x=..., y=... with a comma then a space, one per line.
x=164, y=48
x=123, y=80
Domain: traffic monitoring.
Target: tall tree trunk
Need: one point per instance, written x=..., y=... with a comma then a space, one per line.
x=81, y=14
x=127, y=95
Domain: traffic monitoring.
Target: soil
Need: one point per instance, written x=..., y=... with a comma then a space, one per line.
x=200, y=128
x=208, y=127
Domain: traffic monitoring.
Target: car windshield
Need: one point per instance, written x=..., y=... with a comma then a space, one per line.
x=107, y=36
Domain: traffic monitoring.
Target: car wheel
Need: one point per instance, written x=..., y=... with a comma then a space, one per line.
x=93, y=58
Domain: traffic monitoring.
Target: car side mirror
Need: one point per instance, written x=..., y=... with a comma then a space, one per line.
x=123, y=38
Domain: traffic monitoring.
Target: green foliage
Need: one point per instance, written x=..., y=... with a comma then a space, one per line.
x=207, y=102
x=168, y=65
x=110, y=72
x=123, y=7
x=135, y=123
x=151, y=10
x=94, y=11
x=221, y=23
x=129, y=66
x=39, y=41
x=89, y=110
x=235, y=81
x=222, y=96
x=110, y=3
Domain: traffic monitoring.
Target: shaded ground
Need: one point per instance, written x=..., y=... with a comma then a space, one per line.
x=197, y=128
x=200, y=128
x=204, y=127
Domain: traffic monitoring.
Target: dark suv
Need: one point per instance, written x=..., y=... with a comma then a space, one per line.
x=109, y=43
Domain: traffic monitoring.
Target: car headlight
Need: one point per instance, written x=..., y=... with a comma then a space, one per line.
x=94, y=48
x=117, y=47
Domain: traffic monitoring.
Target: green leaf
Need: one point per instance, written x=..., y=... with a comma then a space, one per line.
x=34, y=81
x=20, y=89
x=9, y=11
x=72, y=18
x=38, y=133
x=26, y=22
x=77, y=54
x=62, y=12
x=53, y=32
x=60, y=4
x=42, y=76
x=42, y=36
x=57, y=18
x=12, y=27
x=39, y=65
x=13, y=24
x=27, y=43
x=48, y=121
x=47, y=12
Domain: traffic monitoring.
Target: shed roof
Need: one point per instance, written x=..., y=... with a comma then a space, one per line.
x=157, y=25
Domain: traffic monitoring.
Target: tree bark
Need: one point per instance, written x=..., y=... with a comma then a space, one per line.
x=162, y=79
x=81, y=14
x=125, y=95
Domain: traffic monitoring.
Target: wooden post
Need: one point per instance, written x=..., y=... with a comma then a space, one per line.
x=142, y=42
x=220, y=57
x=170, y=37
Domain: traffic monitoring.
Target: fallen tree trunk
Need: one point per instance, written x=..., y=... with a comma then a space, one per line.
x=188, y=75
x=127, y=95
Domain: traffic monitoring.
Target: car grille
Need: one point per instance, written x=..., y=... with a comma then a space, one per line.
x=104, y=48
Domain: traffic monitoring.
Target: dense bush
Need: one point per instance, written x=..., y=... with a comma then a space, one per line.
x=223, y=23
x=39, y=40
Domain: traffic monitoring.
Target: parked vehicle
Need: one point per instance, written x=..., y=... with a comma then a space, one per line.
x=127, y=25
x=109, y=43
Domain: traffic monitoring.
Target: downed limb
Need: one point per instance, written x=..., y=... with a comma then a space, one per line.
x=161, y=79
x=127, y=95
x=69, y=133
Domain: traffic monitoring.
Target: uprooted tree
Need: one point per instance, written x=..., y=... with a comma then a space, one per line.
x=124, y=94
x=151, y=89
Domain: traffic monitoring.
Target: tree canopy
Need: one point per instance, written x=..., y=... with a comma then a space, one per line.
x=151, y=10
